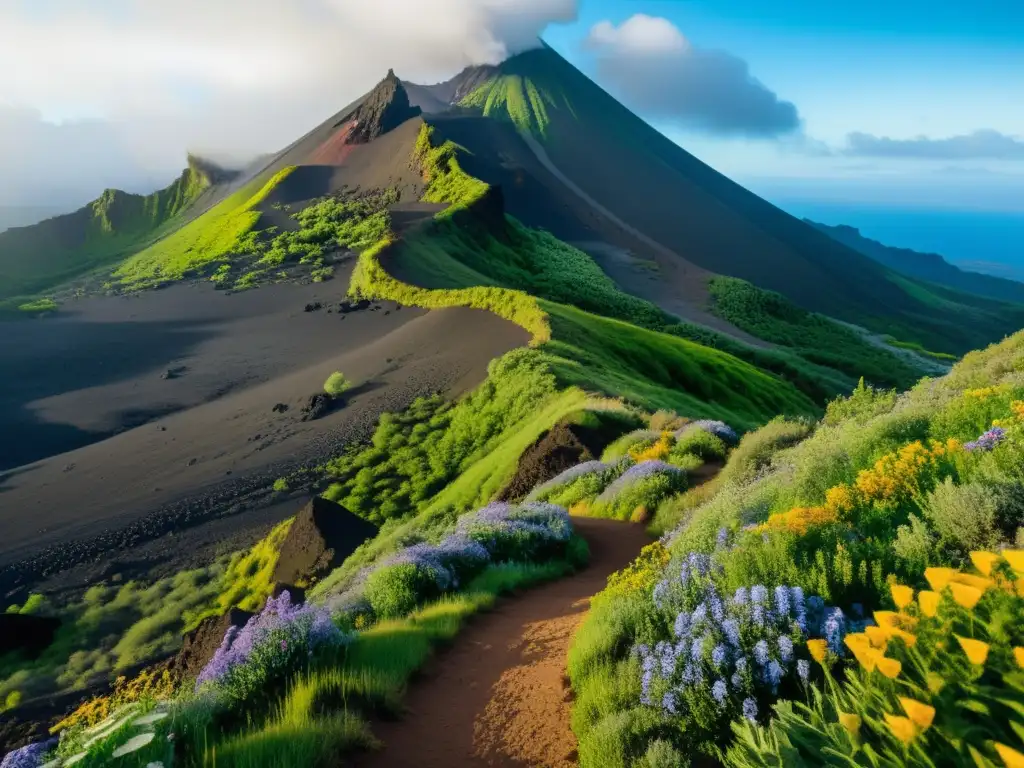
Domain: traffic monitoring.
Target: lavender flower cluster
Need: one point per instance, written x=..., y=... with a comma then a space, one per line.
x=645, y=470
x=722, y=655
x=445, y=562
x=535, y=520
x=719, y=429
x=30, y=756
x=586, y=469
x=274, y=639
x=987, y=441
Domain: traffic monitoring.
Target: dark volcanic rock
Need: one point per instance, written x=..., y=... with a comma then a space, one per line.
x=280, y=408
x=384, y=109
x=319, y=405
x=199, y=645
x=296, y=594
x=561, y=447
x=26, y=633
x=315, y=306
x=322, y=536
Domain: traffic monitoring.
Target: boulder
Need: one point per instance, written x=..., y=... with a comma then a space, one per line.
x=31, y=635
x=318, y=405
x=322, y=536
x=199, y=645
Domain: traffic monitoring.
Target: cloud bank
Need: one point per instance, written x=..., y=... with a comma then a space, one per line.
x=657, y=72
x=980, y=145
x=120, y=89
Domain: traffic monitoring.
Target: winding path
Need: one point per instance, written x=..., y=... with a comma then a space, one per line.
x=499, y=696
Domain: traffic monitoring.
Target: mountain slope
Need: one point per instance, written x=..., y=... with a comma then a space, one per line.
x=699, y=221
x=40, y=256
x=926, y=266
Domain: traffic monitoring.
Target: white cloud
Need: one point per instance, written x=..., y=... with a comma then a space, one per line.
x=226, y=77
x=654, y=69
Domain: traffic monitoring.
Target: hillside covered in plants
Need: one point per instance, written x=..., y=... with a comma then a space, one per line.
x=743, y=533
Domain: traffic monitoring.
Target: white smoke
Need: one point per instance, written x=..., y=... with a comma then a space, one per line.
x=120, y=89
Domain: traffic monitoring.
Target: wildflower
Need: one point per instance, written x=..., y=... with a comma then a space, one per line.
x=984, y=561
x=718, y=656
x=1018, y=654
x=929, y=602
x=737, y=680
x=731, y=627
x=966, y=596
x=834, y=629
x=878, y=636
x=750, y=709
x=817, y=649
x=722, y=540
x=978, y=582
x=799, y=607
x=785, y=649
x=938, y=578
x=850, y=722
x=682, y=624
x=1010, y=756
x=888, y=667
x=803, y=669
x=922, y=714
x=782, y=601
x=741, y=597
x=976, y=650
x=761, y=653
x=717, y=610
x=774, y=673
x=901, y=727
x=1015, y=557
x=668, y=703
x=741, y=664
x=901, y=595
x=757, y=615
x=758, y=594
x=700, y=613
x=719, y=691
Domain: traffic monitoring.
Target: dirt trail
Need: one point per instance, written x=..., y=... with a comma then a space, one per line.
x=499, y=696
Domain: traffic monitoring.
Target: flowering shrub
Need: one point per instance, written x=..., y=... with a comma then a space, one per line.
x=30, y=756
x=581, y=482
x=278, y=640
x=655, y=451
x=938, y=682
x=707, y=659
x=531, y=531
x=146, y=686
x=644, y=484
x=987, y=441
x=719, y=429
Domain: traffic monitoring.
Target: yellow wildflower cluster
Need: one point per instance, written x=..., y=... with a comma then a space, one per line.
x=897, y=476
x=151, y=685
x=984, y=393
x=1016, y=416
x=799, y=519
x=655, y=452
x=641, y=574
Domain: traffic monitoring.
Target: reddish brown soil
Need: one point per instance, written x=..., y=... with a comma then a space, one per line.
x=335, y=150
x=499, y=696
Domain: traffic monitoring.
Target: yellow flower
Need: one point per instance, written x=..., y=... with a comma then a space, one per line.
x=976, y=650
x=1018, y=654
x=901, y=595
x=1019, y=586
x=906, y=637
x=936, y=682
x=929, y=602
x=978, y=582
x=888, y=667
x=818, y=649
x=850, y=722
x=1011, y=757
x=891, y=619
x=902, y=728
x=938, y=578
x=922, y=714
x=966, y=596
x=984, y=561
x=1015, y=557
x=878, y=636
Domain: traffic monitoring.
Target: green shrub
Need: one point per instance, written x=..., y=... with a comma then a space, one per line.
x=860, y=405
x=281, y=485
x=336, y=384
x=914, y=546
x=757, y=449
x=965, y=516
x=398, y=589
x=701, y=444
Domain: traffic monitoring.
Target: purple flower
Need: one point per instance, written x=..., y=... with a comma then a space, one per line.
x=987, y=441
x=774, y=673
x=750, y=709
x=718, y=656
x=575, y=473
x=834, y=630
x=693, y=674
x=719, y=691
x=30, y=756
x=799, y=607
x=719, y=429
x=761, y=653
x=741, y=597
x=731, y=627
x=700, y=614
x=782, y=601
x=722, y=540
x=737, y=680
x=785, y=649
x=803, y=668
x=717, y=609
x=699, y=563
x=635, y=474
x=757, y=615
x=758, y=595
x=668, y=703
x=682, y=624
x=660, y=593
x=741, y=664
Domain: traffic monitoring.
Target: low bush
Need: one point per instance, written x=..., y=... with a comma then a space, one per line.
x=645, y=484
x=337, y=384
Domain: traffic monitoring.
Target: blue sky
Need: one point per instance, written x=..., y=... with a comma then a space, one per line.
x=898, y=69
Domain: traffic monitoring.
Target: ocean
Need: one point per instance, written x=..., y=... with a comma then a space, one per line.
x=983, y=241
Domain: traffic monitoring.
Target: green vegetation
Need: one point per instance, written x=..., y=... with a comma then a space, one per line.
x=915, y=347
x=337, y=384
x=816, y=338
x=115, y=225
x=113, y=628
x=891, y=508
x=38, y=306
x=523, y=100
x=216, y=234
